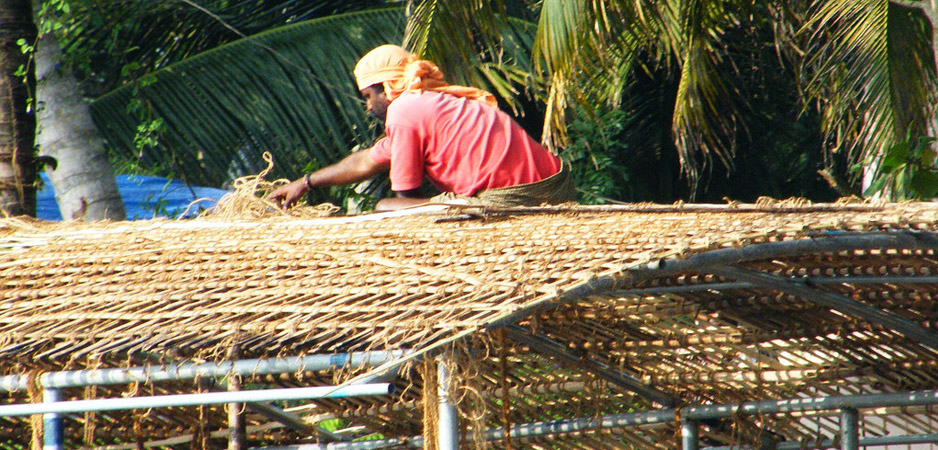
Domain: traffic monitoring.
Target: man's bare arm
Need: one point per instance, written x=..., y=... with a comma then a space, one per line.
x=353, y=168
x=402, y=200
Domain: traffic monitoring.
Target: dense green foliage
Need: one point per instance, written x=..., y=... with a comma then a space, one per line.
x=211, y=116
x=777, y=143
x=906, y=171
x=113, y=43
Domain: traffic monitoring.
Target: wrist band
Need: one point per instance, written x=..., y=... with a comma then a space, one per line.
x=309, y=186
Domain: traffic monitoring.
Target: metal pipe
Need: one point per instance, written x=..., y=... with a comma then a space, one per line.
x=208, y=398
x=718, y=411
x=719, y=286
x=448, y=419
x=849, y=429
x=690, y=439
x=836, y=402
x=543, y=344
x=908, y=439
x=53, y=431
x=416, y=442
x=186, y=371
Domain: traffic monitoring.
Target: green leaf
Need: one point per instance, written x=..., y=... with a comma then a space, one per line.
x=926, y=155
x=896, y=156
x=924, y=184
x=101, y=34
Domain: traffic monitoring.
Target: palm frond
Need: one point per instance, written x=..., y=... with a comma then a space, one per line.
x=475, y=43
x=562, y=26
x=288, y=91
x=704, y=119
x=560, y=29
x=591, y=50
x=95, y=34
x=872, y=73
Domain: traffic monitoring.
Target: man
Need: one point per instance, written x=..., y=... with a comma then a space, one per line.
x=455, y=136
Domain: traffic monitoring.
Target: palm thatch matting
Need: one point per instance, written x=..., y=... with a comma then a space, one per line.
x=542, y=312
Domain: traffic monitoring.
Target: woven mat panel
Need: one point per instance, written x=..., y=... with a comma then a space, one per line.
x=704, y=347
x=192, y=290
x=274, y=287
x=516, y=385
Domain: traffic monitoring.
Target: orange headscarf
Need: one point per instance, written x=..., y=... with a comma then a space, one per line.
x=401, y=71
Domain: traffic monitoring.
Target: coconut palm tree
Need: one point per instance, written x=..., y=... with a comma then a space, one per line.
x=279, y=91
x=584, y=52
x=81, y=174
x=17, y=125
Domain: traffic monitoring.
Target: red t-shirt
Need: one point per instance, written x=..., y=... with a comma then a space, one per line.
x=462, y=146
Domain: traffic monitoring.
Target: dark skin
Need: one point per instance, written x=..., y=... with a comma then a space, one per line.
x=354, y=168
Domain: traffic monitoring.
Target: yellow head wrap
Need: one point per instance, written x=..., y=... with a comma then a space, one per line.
x=384, y=63
x=400, y=71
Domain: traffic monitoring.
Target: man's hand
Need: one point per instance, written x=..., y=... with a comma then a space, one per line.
x=353, y=168
x=287, y=195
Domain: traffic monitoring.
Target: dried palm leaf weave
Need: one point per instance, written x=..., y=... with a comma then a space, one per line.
x=615, y=287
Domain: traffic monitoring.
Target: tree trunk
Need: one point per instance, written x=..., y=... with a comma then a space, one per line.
x=83, y=179
x=17, y=124
x=930, y=8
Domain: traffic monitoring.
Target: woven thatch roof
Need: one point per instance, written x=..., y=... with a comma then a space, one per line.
x=699, y=304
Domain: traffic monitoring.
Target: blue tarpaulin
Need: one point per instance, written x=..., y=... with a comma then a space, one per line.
x=145, y=197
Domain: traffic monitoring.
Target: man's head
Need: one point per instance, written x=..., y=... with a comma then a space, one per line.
x=382, y=65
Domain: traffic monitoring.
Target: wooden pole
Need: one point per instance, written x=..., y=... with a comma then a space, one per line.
x=237, y=434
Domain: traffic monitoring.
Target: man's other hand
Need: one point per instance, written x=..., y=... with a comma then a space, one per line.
x=289, y=194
